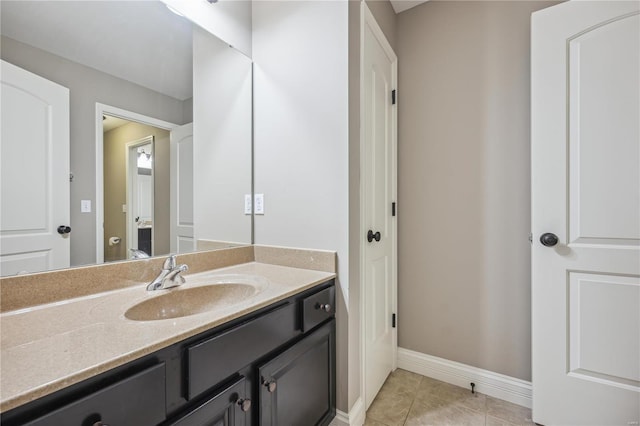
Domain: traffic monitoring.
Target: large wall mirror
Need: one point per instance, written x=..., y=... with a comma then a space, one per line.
x=126, y=133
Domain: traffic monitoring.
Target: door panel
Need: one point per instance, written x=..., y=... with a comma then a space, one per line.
x=600, y=307
x=378, y=185
x=603, y=135
x=380, y=325
x=35, y=146
x=586, y=190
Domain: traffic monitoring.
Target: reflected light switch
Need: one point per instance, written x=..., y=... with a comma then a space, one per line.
x=85, y=206
x=259, y=203
x=247, y=203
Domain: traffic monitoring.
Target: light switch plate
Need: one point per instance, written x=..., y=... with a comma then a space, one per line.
x=247, y=203
x=259, y=203
x=85, y=206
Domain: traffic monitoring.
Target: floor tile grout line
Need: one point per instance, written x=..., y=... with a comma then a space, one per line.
x=413, y=401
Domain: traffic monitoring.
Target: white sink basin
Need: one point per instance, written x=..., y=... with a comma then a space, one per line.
x=219, y=292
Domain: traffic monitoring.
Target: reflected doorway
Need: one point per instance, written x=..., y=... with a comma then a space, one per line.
x=140, y=197
x=135, y=169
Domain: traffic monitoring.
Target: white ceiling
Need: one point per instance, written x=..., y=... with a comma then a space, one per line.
x=402, y=5
x=139, y=41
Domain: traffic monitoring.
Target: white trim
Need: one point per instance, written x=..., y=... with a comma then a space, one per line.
x=355, y=417
x=367, y=20
x=102, y=109
x=357, y=413
x=341, y=419
x=487, y=382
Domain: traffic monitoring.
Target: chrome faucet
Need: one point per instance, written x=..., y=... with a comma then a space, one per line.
x=169, y=276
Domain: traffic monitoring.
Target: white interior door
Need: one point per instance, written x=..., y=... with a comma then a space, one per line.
x=182, y=240
x=144, y=198
x=35, y=146
x=586, y=191
x=140, y=188
x=379, y=189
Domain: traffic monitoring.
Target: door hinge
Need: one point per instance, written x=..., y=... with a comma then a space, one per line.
x=393, y=208
x=393, y=97
x=393, y=320
x=530, y=238
x=70, y=177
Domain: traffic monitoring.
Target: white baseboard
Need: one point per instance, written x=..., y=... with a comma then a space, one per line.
x=341, y=419
x=487, y=382
x=355, y=417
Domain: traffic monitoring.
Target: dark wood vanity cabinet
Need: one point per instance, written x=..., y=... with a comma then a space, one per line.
x=275, y=367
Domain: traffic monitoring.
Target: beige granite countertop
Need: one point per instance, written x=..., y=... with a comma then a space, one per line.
x=48, y=347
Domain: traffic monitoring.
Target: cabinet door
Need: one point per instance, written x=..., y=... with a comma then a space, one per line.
x=229, y=407
x=298, y=386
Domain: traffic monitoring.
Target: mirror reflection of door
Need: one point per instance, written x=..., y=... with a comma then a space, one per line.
x=140, y=197
x=136, y=207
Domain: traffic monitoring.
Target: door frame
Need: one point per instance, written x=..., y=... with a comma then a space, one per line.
x=131, y=188
x=102, y=109
x=367, y=19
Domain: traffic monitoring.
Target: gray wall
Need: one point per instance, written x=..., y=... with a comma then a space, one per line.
x=464, y=199
x=301, y=145
x=386, y=18
x=221, y=140
x=88, y=86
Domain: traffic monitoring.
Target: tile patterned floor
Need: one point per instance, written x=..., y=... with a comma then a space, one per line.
x=411, y=399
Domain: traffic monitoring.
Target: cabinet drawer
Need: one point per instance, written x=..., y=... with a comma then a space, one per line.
x=213, y=360
x=134, y=401
x=317, y=308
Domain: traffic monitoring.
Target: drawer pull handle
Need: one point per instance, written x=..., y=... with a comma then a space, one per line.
x=271, y=386
x=100, y=423
x=245, y=404
x=323, y=307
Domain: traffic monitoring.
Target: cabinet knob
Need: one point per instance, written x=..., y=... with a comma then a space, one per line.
x=323, y=307
x=271, y=386
x=245, y=404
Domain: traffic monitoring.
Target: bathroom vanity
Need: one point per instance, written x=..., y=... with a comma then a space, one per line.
x=268, y=361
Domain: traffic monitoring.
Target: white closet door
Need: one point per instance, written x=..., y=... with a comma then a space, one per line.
x=379, y=189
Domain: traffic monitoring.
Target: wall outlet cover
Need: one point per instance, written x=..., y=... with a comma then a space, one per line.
x=85, y=206
x=247, y=203
x=259, y=203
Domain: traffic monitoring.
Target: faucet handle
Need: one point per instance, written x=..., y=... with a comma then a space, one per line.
x=169, y=263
